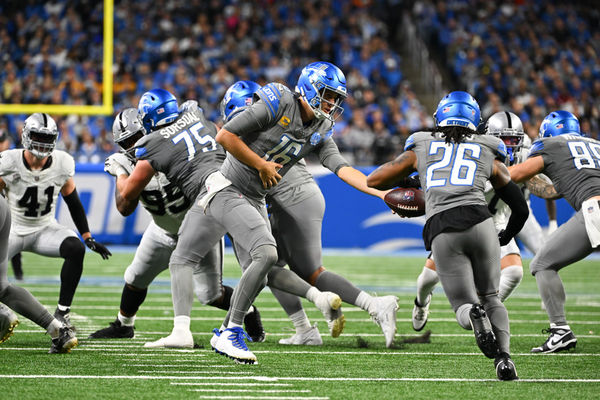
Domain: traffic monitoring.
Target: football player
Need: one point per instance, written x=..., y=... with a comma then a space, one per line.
x=182, y=146
x=167, y=205
x=297, y=207
x=508, y=127
x=572, y=162
x=454, y=163
x=32, y=178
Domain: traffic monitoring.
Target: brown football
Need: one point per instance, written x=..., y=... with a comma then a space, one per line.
x=406, y=202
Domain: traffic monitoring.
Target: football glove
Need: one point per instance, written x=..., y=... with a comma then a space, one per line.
x=118, y=164
x=504, y=237
x=410, y=182
x=98, y=248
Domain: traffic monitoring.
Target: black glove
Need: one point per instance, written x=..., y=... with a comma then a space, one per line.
x=504, y=237
x=410, y=182
x=98, y=248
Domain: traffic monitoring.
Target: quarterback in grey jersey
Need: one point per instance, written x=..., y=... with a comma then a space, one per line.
x=33, y=177
x=572, y=162
x=454, y=164
x=508, y=127
x=263, y=142
x=297, y=207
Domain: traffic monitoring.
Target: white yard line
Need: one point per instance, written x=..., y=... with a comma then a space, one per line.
x=290, y=379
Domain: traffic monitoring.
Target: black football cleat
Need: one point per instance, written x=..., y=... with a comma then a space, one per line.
x=115, y=330
x=505, y=368
x=482, y=328
x=254, y=326
x=561, y=338
x=65, y=341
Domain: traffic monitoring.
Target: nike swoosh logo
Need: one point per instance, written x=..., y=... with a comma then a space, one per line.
x=553, y=343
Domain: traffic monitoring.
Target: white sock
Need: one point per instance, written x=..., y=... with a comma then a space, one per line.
x=63, y=308
x=125, y=321
x=462, y=316
x=510, y=277
x=300, y=321
x=565, y=327
x=426, y=281
x=182, y=322
x=312, y=294
x=250, y=310
x=53, y=328
x=233, y=325
x=364, y=300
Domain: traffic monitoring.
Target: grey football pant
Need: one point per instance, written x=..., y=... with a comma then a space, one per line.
x=568, y=244
x=468, y=264
x=15, y=297
x=246, y=221
x=297, y=228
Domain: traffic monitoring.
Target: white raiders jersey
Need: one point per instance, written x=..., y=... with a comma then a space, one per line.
x=165, y=202
x=31, y=194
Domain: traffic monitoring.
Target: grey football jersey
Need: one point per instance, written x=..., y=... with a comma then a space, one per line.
x=572, y=162
x=185, y=151
x=454, y=174
x=291, y=189
x=273, y=129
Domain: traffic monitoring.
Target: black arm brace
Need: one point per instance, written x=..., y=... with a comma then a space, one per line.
x=513, y=197
x=77, y=212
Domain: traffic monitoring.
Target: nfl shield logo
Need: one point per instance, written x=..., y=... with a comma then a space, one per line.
x=249, y=101
x=409, y=195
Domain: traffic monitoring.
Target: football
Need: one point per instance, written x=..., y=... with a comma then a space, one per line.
x=406, y=202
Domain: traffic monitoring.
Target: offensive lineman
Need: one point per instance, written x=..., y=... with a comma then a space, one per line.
x=297, y=208
x=167, y=206
x=454, y=163
x=572, y=162
x=33, y=178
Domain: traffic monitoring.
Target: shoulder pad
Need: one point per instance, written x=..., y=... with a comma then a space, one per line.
x=536, y=148
x=8, y=160
x=411, y=141
x=66, y=160
x=272, y=95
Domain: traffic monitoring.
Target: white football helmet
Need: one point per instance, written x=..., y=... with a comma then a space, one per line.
x=39, y=134
x=509, y=128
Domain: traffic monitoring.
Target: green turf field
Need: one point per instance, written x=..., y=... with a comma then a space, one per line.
x=355, y=366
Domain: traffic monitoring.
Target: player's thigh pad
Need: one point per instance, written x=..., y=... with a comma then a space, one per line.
x=47, y=241
x=484, y=252
x=151, y=257
x=244, y=219
x=568, y=244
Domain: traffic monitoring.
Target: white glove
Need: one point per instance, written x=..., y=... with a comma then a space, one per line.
x=552, y=225
x=189, y=105
x=118, y=164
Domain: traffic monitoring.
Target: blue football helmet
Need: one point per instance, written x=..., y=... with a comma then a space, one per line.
x=458, y=108
x=157, y=107
x=237, y=98
x=559, y=123
x=315, y=79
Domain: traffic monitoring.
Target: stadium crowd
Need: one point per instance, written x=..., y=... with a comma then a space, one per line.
x=527, y=56
x=52, y=53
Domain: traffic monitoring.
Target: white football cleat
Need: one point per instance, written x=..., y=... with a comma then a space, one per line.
x=384, y=315
x=178, y=339
x=329, y=304
x=231, y=343
x=420, y=314
x=8, y=322
x=214, y=338
x=311, y=337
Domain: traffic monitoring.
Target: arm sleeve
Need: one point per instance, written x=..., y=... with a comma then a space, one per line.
x=330, y=156
x=77, y=212
x=513, y=197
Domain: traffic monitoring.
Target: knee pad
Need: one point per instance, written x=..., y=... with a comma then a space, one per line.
x=207, y=294
x=462, y=316
x=72, y=248
x=265, y=255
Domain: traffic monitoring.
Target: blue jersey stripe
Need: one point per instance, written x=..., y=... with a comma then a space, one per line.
x=536, y=147
x=410, y=143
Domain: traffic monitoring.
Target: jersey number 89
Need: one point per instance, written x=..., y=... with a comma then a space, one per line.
x=585, y=155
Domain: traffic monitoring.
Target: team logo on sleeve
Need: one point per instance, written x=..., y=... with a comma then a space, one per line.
x=284, y=121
